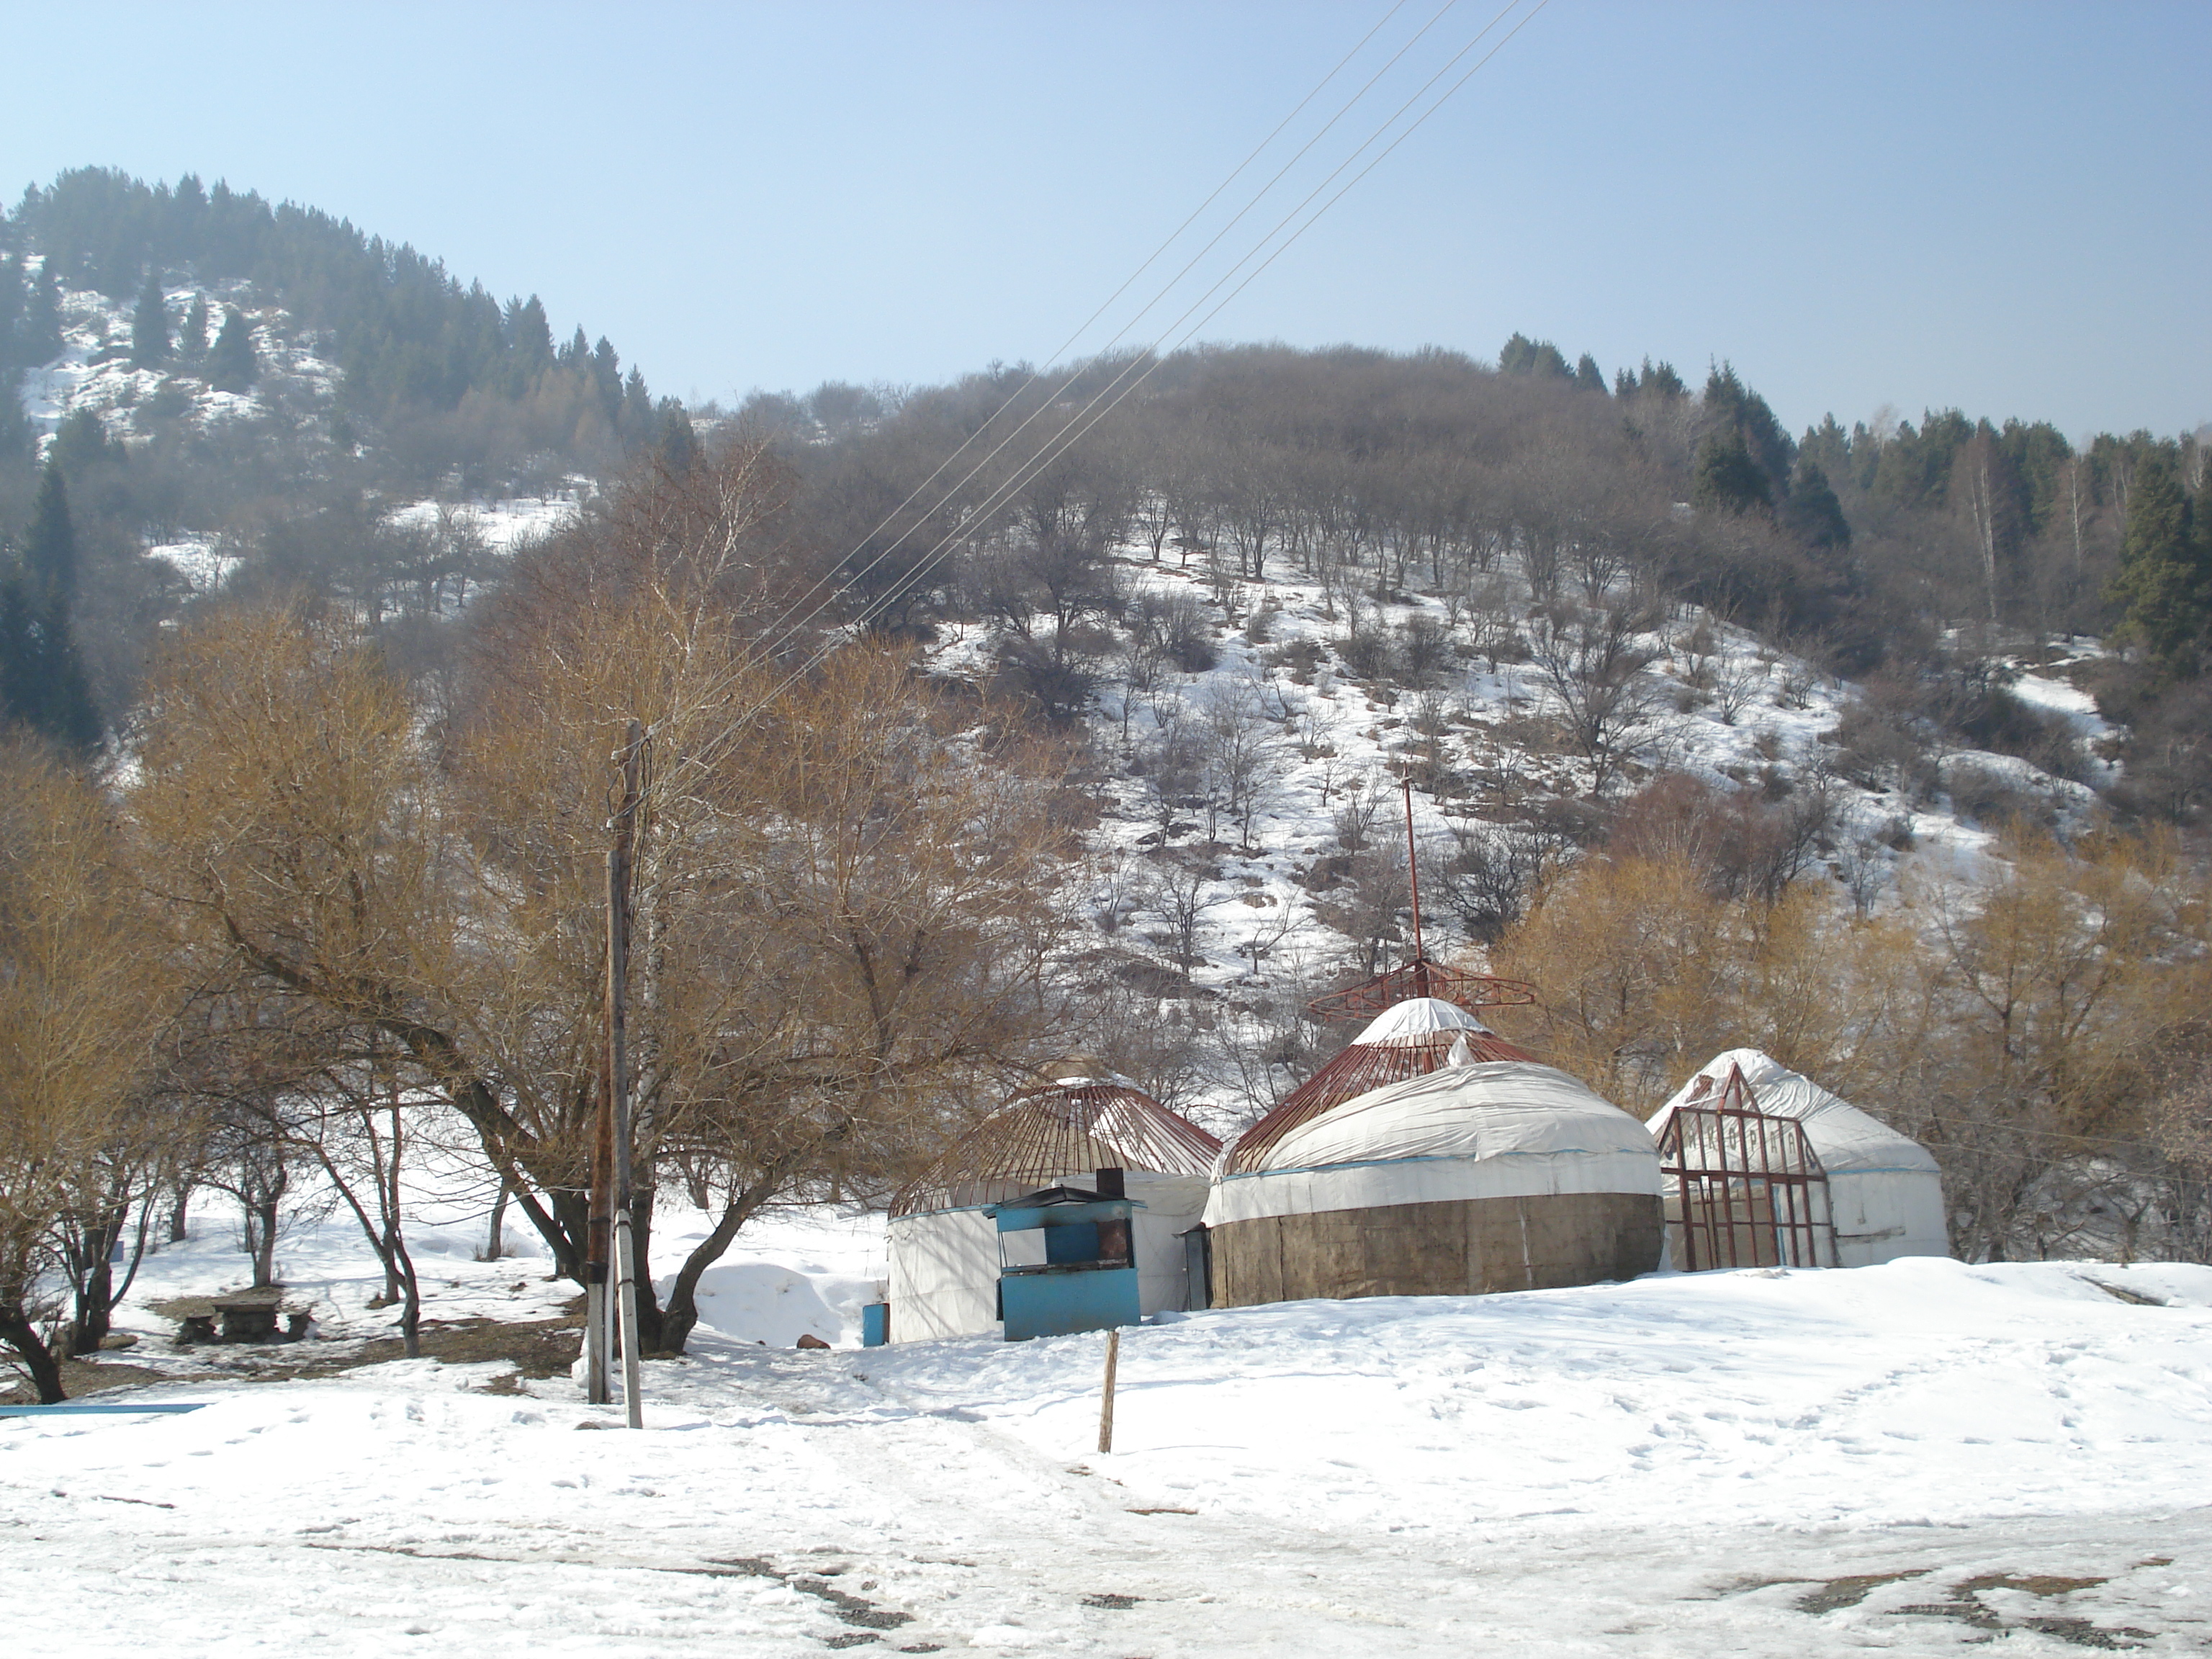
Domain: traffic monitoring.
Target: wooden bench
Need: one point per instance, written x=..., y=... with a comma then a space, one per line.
x=247, y=1316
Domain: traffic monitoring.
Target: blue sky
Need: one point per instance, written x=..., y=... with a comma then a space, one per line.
x=1995, y=206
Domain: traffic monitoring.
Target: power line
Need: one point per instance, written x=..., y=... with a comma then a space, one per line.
x=789, y=625
x=786, y=626
x=1085, y=419
x=1044, y=459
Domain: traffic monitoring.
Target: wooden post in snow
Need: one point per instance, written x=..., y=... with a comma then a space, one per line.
x=1106, y=1403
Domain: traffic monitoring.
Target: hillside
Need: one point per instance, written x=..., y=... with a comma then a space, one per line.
x=1715, y=736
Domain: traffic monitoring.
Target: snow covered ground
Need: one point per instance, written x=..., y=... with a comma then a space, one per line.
x=1917, y=1457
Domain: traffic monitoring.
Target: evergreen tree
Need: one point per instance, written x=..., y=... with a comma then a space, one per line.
x=11, y=312
x=529, y=339
x=14, y=429
x=1812, y=512
x=81, y=444
x=40, y=332
x=50, y=545
x=1540, y=359
x=149, y=326
x=1827, y=447
x=42, y=678
x=192, y=343
x=2164, y=586
x=231, y=364
x=678, y=445
x=1727, y=478
x=606, y=374
x=1729, y=403
x=1587, y=375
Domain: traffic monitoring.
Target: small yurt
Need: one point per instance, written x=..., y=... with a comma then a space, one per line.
x=1472, y=1175
x=945, y=1239
x=1763, y=1165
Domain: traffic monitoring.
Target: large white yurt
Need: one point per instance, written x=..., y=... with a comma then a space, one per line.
x=945, y=1247
x=1477, y=1175
x=1883, y=1191
x=1407, y=1039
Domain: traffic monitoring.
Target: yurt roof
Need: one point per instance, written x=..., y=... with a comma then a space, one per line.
x=1073, y=1124
x=1848, y=1140
x=1492, y=1108
x=1422, y=979
x=1407, y=1040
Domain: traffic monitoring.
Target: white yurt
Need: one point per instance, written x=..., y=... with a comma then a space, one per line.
x=944, y=1261
x=1884, y=1191
x=1478, y=1176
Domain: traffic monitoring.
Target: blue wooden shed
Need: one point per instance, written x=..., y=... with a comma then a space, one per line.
x=1066, y=1261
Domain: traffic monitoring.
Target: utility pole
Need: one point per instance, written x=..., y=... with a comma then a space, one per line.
x=598, y=1238
x=631, y=758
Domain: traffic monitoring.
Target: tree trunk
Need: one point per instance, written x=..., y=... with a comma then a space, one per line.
x=95, y=1290
x=18, y=1333
x=652, y=1319
x=401, y=1265
x=178, y=1205
x=264, y=1225
x=495, y=1243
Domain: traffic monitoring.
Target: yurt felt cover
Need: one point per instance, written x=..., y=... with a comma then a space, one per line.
x=1487, y=1130
x=1408, y=1040
x=1886, y=1188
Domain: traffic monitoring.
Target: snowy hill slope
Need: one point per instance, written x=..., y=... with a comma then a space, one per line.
x=1254, y=908
x=297, y=385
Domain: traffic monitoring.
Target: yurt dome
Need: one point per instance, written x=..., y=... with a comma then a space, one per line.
x=1885, y=1192
x=1478, y=1176
x=1408, y=1039
x=945, y=1259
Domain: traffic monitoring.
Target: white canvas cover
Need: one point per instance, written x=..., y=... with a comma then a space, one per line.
x=1884, y=1187
x=1419, y=1017
x=1493, y=1129
x=945, y=1263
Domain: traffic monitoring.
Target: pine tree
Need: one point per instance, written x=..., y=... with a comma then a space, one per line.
x=1540, y=359
x=1812, y=512
x=50, y=545
x=81, y=444
x=149, y=327
x=677, y=445
x=192, y=343
x=40, y=334
x=1727, y=478
x=42, y=678
x=1588, y=377
x=2165, y=580
x=11, y=310
x=231, y=365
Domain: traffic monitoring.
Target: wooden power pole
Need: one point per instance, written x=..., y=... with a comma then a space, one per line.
x=617, y=1094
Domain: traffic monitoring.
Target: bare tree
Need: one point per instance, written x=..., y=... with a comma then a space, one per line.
x=1595, y=664
x=84, y=993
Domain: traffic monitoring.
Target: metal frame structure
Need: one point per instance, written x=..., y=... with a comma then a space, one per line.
x=1357, y=1067
x=1749, y=1189
x=1421, y=977
x=1360, y=1066
x=1045, y=1134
